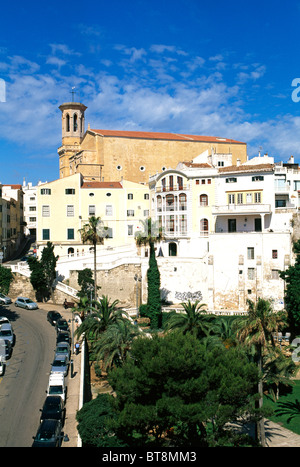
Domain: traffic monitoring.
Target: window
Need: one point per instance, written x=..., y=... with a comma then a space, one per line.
x=275, y=274
x=130, y=230
x=92, y=210
x=68, y=122
x=70, y=191
x=75, y=123
x=220, y=163
x=130, y=213
x=249, y=198
x=32, y=219
x=146, y=196
x=182, y=202
x=32, y=208
x=257, y=197
x=204, y=225
x=231, y=180
x=130, y=196
x=46, y=211
x=70, y=234
x=274, y=254
x=257, y=178
x=251, y=274
x=231, y=199
x=203, y=200
x=70, y=210
x=172, y=249
x=108, y=210
x=46, y=234
x=280, y=203
x=250, y=253
x=231, y=225
x=240, y=198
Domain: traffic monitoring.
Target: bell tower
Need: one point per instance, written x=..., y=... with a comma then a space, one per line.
x=72, y=134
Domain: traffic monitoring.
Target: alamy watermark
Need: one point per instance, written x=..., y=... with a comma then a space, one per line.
x=296, y=352
x=296, y=92
x=2, y=90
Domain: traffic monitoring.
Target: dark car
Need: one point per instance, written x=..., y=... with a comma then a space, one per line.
x=53, y=317
x=53, y=409
x=63, y=336
x=48, y=435
x=61, y=325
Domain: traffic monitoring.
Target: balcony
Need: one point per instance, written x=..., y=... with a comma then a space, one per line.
x=241, y=209
x=171, y=188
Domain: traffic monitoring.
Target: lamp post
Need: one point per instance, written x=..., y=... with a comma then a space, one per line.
x=137, y=280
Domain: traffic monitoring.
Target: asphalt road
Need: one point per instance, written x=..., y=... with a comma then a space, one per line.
x=23, y=386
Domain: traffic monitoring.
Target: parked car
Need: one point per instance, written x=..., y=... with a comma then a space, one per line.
x=61, y=325
x=63, y=336
x=63, y=348
x=2, y=365
x=57, y=386
x=53, y=409
x=53, y=317
x=3, y=320
x=48, y=434
x=27, y=303
x=7, y=333
x=5, y=348
x=60, y=365
x=4, y=300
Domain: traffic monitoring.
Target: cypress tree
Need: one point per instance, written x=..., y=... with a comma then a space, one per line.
x=153, y=301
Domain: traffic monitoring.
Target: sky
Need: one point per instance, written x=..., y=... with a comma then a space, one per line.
x=223, y=68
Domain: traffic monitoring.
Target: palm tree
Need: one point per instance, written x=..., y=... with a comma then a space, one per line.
x=93, y=232
x=257, y=329
x=103, y=314
x=194, y=319
x=114, y=344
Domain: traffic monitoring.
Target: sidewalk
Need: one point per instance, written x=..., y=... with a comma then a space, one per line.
x=71, y=438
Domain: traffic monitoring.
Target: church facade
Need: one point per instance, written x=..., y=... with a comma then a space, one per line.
x=112, y=155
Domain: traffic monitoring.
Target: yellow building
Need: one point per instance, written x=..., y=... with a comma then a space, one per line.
x=65, y=205
x=105, y=155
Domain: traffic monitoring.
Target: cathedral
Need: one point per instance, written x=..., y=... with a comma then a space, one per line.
x=114, y=155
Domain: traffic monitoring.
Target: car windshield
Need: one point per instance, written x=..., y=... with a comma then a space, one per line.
x=59, y=363
x=5, y=332
x=61, y=350
x=55, y=390
x=28, y=300
x=45, y=435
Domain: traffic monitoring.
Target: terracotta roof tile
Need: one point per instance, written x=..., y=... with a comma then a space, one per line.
x=92, y=184
x=247, y=168
x=164, y=136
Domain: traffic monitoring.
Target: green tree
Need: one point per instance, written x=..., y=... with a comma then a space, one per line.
x=92, y=423
x=114, y=344
x=38, y=278
x=86, y=282
x=103, y=314
x=257, y=329
x=172, y=392
x=93, y=232
x=48, y=262
x=6, y=278
x=149, y=236
x=194, y=319
x=292, y=291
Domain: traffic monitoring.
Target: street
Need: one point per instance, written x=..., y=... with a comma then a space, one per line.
x=23, y=386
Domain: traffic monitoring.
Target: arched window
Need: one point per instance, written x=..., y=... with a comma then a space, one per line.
x=75, y=122
x=159, y=205
x=67, y=122
x=70, y=251
x=204, y=227
x=182, y=202
x=172, y=249
x=203, y=200
x=170, y=204
x=180, y=183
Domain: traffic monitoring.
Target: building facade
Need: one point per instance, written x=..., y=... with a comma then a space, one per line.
x=105, y=155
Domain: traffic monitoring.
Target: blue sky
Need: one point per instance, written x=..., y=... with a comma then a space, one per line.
x=222, y=68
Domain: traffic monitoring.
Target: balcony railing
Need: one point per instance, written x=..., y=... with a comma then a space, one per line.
x=168, y=188
x=242, y=209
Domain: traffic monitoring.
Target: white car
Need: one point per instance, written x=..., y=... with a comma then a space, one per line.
x=4, y=299
x=27, y=303
x=2, y=365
